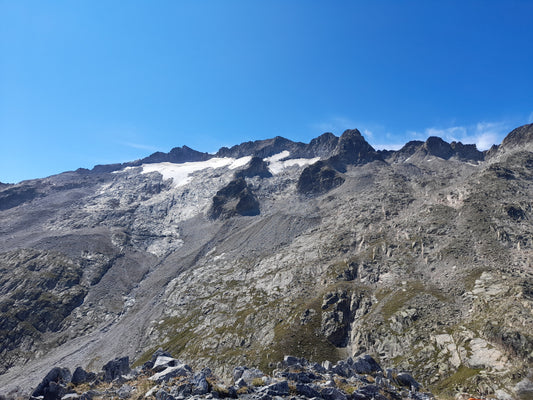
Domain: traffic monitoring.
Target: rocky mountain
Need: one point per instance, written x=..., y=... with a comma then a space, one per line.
x=421, y=258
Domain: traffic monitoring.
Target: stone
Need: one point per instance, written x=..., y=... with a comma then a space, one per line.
x=50, y=386
x=163, y=362
x=276, y=389
x=306, y=390
x=366, y=365
x=79, y=376
x=163, y=395
x=172, y=372
x=116, y=368
x=406, y=380
x=125, y=391
x=332, y=393
x=200, y=385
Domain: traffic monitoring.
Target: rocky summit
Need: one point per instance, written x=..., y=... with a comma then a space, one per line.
x=417, y=262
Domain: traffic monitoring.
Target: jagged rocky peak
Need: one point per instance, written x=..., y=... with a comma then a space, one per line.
x=262, y=148
x=324, y=145
x=436, y=147
x=520, y=138
x=352, y=149
x=176, y=155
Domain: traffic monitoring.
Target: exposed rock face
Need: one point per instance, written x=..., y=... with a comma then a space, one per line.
x=352, y=149
x=176, y=155
x=519, y=138
x=236, y=198
x=421, y=257
x=257, y=167
x=319, y=178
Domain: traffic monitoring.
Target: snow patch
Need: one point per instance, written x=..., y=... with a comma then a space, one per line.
x=276, y=167
x=181, y=173
x=278, y=157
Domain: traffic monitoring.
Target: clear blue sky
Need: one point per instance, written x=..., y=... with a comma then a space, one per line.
x=94, y=82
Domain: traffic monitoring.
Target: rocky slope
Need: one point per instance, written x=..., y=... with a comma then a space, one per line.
x=420, y=257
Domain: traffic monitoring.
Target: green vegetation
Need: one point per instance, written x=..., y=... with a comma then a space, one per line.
x=450, y=385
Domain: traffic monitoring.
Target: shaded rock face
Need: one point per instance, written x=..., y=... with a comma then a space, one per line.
x=319, y=178
x=12, y=197
x=352, y=149
x=176, y=155
x=257, y=167
x=262, y=148
x=116, y=368
x=236, y=198
x=519, y=137
x=435, y=146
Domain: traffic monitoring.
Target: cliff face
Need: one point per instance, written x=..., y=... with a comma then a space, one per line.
x=421, y=258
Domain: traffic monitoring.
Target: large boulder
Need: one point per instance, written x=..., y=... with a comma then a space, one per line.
x=53, y=386
x=116, y=368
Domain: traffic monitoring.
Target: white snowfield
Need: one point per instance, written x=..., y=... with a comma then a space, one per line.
x=181, y=174
x=276, y=163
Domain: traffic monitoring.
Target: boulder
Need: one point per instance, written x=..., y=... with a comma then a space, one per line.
x=53, y=386
x=163, y=362
x=332, y=393
x=200, y=385
x=366, y=365
x=406, y=380
x=116, y=368
x=306, y=390
x=172, y=372
x=276, y=389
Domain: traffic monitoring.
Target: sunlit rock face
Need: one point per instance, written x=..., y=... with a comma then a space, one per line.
x=420, y=257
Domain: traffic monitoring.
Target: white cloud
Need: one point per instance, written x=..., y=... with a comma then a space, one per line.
x=482, y=134
x=530, y=119
x=388, y=146
x=368, y=134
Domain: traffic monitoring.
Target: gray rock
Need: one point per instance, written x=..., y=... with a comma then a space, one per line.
x=276, y=389
x=366, y=365
x=162, y=362
x=172, y=372
x=306, y=390
x=163, y=395
x=125, y=391
x=116, y=368
x=200, y=385
x=406, y=380
x=53, y=386
x=331, y=393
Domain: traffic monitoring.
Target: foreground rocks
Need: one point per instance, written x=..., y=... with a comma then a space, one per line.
x=166, y=378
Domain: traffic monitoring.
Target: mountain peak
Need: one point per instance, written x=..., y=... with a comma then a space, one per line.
x=520, y=137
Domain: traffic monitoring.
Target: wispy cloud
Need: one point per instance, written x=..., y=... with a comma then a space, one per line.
x=530, y=119
x=388, y=146
x=482, y=134
x=140, y=146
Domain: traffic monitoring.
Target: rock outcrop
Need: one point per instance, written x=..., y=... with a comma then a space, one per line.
x=294, y=378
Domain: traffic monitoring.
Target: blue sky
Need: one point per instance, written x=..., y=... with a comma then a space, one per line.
x=95, y=82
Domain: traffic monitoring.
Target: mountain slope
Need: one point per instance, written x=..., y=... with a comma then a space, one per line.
x=421, y=258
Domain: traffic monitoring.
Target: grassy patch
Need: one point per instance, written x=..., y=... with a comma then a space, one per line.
x=450, y=385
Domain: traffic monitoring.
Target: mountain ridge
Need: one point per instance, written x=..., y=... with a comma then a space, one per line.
x=420, y=257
